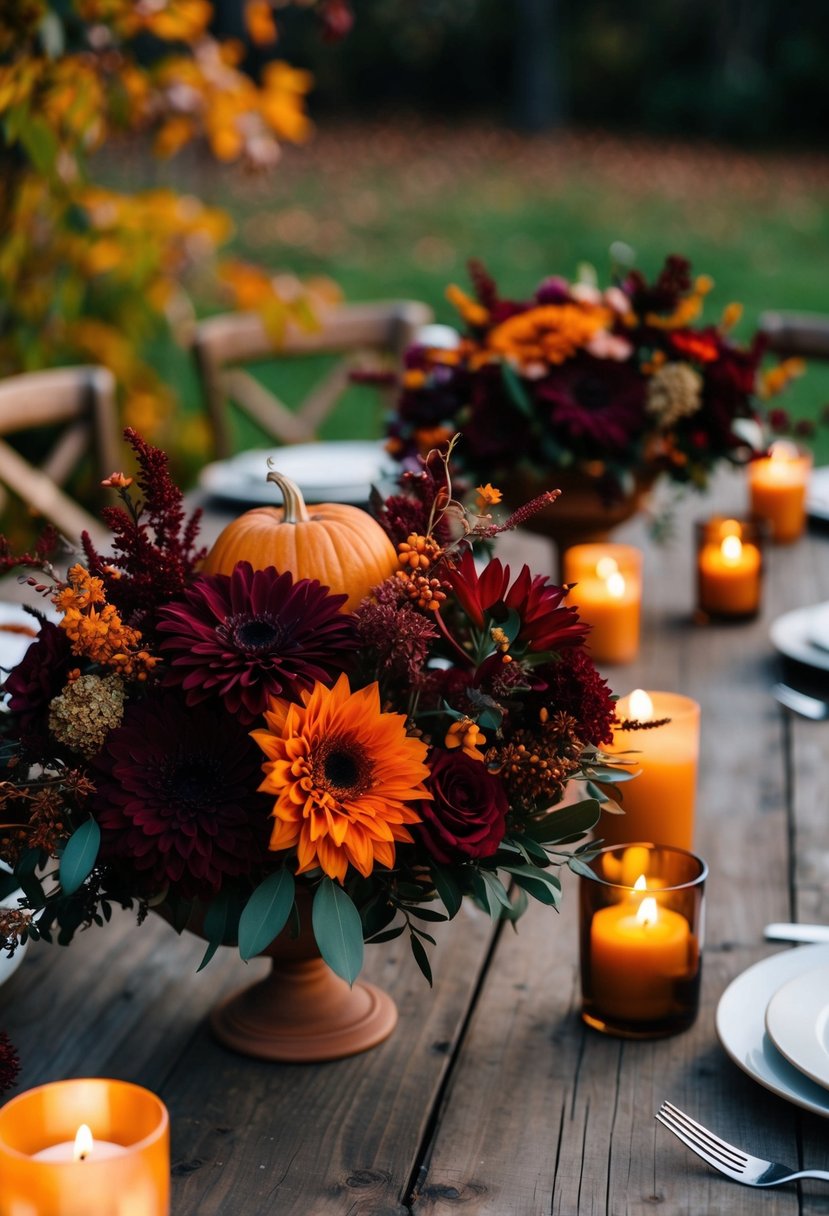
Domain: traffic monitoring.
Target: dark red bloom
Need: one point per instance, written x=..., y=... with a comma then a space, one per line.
x=176, y=797
x=38, y=677
x=594, y=404
x=467, y=817
x=545, y=623
x=574, y=687
x=252, y=635
x=9, y=1063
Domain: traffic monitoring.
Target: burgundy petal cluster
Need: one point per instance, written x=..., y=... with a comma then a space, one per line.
x=467, y=814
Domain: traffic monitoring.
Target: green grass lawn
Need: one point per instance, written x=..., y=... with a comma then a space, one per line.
x=396, y=210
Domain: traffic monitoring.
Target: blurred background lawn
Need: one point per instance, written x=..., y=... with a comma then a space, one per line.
x=397, y=208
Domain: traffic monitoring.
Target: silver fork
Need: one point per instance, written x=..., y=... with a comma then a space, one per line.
x=731, y=1161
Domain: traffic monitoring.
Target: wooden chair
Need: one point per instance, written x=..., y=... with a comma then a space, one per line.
x=362, y=333
x=804, y=334
x=81, y=401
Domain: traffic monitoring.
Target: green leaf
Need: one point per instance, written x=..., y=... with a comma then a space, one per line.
x=79, y=856
x=266, y=913
x=421, y=958
x=519, y=906
x=491, y=893
x=541, y=884
x=388, y=935
x=8, y=884
x=566, y=823
x=338, y=930
x=448, y=890
x=426, y=914
x=517, y=393
x=41, y=144
x=579, y=867
x=215, y=926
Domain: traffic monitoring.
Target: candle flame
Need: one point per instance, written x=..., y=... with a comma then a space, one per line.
x=731, y=549
x=783, y=450
x=606, y=566
x=641, y=883
x=647, y=913
x=616, y=586
x=640, y=706
x=83, y=1143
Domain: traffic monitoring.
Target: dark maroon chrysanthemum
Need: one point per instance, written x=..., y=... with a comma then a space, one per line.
x=252, y=635
x=574, y=687
x=176, y=796
x=37, y=678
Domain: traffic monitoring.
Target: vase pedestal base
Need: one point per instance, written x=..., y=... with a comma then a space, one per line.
x=302, y=1013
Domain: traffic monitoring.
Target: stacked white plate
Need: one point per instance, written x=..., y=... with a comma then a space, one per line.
x=803, y=634
x=773, y=1020
x=338, y=471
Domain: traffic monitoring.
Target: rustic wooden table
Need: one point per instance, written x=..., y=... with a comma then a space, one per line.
x=492, y=1096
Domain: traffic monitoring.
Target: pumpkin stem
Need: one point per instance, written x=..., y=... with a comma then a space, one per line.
x=294, y=506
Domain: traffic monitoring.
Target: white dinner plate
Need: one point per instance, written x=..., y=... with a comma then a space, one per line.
x=817, y=495
x=797, y=1020
x=741, y=1026
x=799, y=635
x=18, y=629
x=338, y=471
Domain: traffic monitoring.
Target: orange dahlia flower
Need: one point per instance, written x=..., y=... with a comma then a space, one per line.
x=342, y=772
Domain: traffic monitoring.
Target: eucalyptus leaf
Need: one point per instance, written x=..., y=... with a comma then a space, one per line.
x=519, y=905
x=216, y=920
x=266, y=913
x=566, y=823
x=338, y=930
x=448, y=890
x=579, y=867
x=8, y=884
x=429, y=914
x=421, y=958
x=543, y=886
x=79, y=856
x=491, y=893
x=387, y=935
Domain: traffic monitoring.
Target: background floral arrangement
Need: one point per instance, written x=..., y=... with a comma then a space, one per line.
x=615, y=382
x=210, y=742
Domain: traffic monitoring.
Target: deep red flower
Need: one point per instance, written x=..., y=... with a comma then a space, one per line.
x=254, y=634
x=38, y=677
x=594, y=404
x=467, y=816
x=573, y=686
x=9, y=1063
x=545, y=623
x=176, y=796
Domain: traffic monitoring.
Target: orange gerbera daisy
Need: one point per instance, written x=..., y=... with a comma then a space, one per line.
x=342, y=772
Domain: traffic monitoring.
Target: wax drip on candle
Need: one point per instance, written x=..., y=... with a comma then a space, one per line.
x=84, y=1143
x=640, y=706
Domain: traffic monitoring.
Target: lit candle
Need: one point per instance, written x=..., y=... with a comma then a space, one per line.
x=608, y=595
x=777, y=487
x=638, y=952
x=659, y=804
x=729, y=570
x=117, y=1165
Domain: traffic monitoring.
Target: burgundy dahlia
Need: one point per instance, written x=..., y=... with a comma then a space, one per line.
x=176, y=796
x=38, y=677
x=594, y=404
x=252, y=635
x=574, y=687
x=467, y=816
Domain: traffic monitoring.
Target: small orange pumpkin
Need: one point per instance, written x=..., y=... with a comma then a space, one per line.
x=340, y=545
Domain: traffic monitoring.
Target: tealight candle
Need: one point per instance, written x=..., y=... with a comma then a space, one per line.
x=87, y=1147
x=640, y=942
x=777, y=489
x=729, y=568
x=659, y=804
x=608, y=595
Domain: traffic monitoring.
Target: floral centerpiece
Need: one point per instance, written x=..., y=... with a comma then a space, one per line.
x=620, y=384
x=212, y=742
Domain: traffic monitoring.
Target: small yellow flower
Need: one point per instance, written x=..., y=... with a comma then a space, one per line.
x=117, y=481
x=465, y=734
x=471, y=311
x=488, y=496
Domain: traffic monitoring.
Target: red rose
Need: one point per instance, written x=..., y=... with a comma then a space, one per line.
x=467, y=817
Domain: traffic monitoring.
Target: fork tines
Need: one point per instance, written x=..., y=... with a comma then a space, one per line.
x=717, y=1152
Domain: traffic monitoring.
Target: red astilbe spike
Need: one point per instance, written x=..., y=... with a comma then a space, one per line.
x=9, y=1063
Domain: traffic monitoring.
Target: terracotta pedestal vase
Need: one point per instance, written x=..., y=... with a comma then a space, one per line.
x=301, y=1012
x=582, y=514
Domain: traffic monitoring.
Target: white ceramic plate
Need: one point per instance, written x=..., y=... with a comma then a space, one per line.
x=795, y=634
x=797, y=1020
x=817, y=495
x=339, y=471
x=741, y=1026
x=18, y=629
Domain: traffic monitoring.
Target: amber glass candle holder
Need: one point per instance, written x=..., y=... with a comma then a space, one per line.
x=641, y=926
x=778, y=484
x=729, y=567
x=608, y=595
x=47, y=1170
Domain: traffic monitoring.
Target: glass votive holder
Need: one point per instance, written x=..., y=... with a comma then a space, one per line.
x=641, y=934
x=608, y=596
x=777, y=486
x=117, y=1164
x=729, y=554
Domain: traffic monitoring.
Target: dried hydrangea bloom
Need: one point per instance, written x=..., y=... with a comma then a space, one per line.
x=86, y=711
x=674, y=392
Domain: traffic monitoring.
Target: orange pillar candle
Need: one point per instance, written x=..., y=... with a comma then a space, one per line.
x=729, y=569
x=608, y=595
x=659, y=804
x=637, y=952
x=118, y=1166
x=777, y=489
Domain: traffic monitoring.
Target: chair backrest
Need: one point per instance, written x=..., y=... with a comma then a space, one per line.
x=804, y=334
x=79, y=403
x=359, y=332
